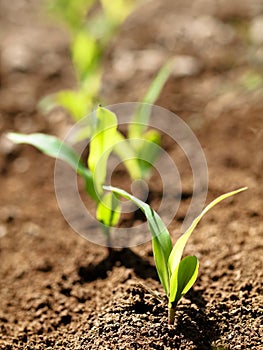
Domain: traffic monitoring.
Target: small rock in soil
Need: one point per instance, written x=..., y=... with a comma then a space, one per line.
x=256, y=30
x=184, y=66
x=3, y=231
x=31, y=228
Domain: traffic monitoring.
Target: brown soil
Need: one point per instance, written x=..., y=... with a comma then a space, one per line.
x=59, y=291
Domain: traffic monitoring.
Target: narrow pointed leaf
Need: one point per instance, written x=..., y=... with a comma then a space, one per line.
x=141, y=116
x=158, y=83
x=77, y=103
x=108, y=210
x=162, y=244
x=127, y=155
x=55, y=148
x=179, y=246
x=161, y=264
x=182, y=279
x=149, y=151
x=117, y=10
x=49, y=145
x=84, y=53
x=102, y=144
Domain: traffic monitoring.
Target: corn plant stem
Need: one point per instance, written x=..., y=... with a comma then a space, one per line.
x=171, y=315
x=106, y=231
x=110, y=250
x=108, y=242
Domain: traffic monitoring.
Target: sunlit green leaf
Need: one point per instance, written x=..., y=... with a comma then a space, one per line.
x=90, y=85
x=162, y=244
x=158, y=84
x=141, y=116
x=77, y=103
x=179, y=246
x=101, y=144
x=117, y=10
x=161, y=263
x=85, y=53
x=182, y=279
x=71, y=12
x=55, y=148
x=49, y=145
x=148, y=152
x=127, y=155
x=108, y=210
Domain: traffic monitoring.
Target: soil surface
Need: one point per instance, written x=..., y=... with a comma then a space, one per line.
x=58, y=290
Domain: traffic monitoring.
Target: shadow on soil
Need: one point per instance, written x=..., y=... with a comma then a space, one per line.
x=192, y=321
x=124, y=257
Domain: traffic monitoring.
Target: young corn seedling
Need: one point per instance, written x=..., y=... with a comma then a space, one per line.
x=91, y=24
x=102, y=141
x=139, y=150
x=177, y=275
x=101, y=128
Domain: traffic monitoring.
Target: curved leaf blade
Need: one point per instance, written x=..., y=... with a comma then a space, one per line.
x=108, y=210
x=53, y=147
x=127, y=154
x=148, y=151
x=49, y=145
x=161, y=264
x=141, y=116
x=84, y=53
x=161, y=242
x=116, y=11
x=101, y=144
x=182, y=279
x=77, y=103
x=158, y=83
x=179, y=246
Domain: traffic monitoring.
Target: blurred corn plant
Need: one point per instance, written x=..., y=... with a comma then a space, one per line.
x=140, y=149
x=91, y=24
x=104, y=134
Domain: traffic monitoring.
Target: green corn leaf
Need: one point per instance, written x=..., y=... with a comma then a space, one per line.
x=179, y=246
x=182, y=279
x=162, y=244
x=101, y=145
x=160, y=259
x=127, y=155
x=72, y=13
x=85, y=53
x=90, y=186
x=108, y=210
x=152, y=136
x=49, y=145
x=117, y=10
x=83, y=133
x=141, y=116
x=158, y=83
x=77, y=103
x=148, y=152
x=139, y=165
x=55, y=148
